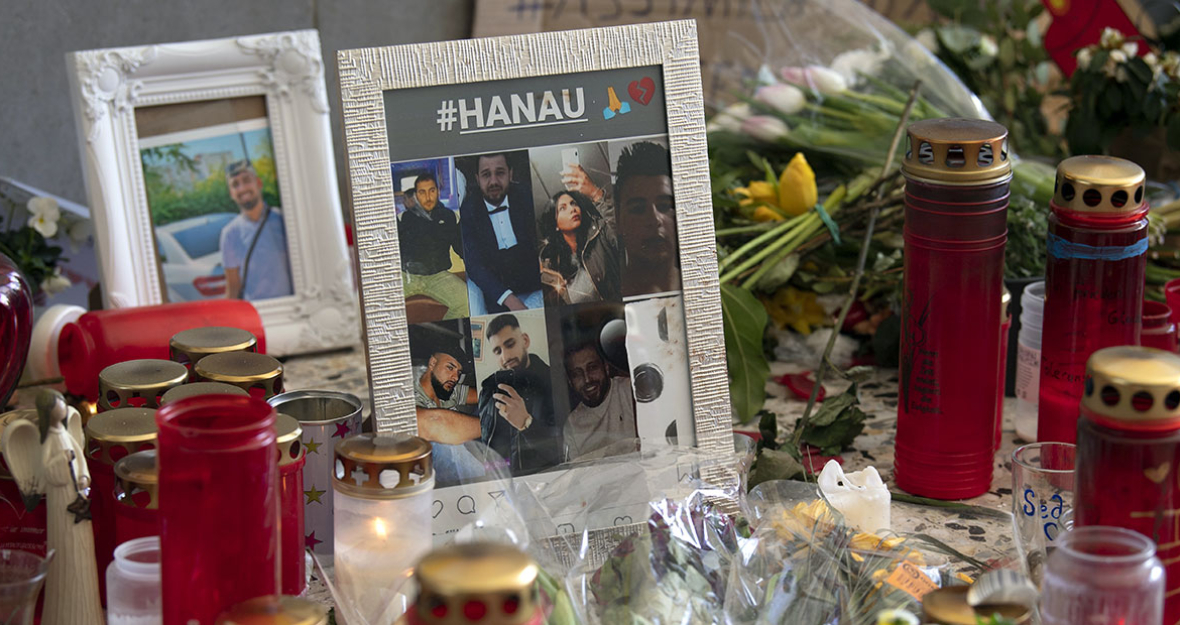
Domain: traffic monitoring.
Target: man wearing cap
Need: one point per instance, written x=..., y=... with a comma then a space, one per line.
x=253, y=244
x=442, y=404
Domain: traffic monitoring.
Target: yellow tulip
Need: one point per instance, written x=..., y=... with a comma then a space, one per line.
x=797, y=193
x=766, y=213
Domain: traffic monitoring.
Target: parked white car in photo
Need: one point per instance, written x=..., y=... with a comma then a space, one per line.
x=190, y=256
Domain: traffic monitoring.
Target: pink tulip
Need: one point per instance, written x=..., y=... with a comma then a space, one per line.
x=816, y=77
x=765, y=128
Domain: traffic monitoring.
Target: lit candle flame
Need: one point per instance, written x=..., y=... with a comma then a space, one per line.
x=379, y=528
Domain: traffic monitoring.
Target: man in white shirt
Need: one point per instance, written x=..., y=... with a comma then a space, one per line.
x=605, y=414
x=499, y=238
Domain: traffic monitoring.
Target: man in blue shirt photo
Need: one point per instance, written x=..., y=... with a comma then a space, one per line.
x=253, y=244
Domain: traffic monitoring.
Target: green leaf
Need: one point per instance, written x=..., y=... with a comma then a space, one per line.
x=744, y=320
x=958, y=39
x=775, y=465
x=837, y=423
x=768, y=428
x=779, y=274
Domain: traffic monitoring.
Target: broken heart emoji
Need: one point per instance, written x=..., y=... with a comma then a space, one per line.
x=1158, y=474
x=642, y=90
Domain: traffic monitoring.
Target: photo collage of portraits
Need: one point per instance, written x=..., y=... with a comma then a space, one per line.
x=543, y=299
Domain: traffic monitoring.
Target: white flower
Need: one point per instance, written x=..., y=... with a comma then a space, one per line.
x=43, y=215
x=1171, y=64
x=928, y=39
x=730, y=118
x=766, y=75
x=79, y=232
x=785, y=98
x=1084, y=56
x=988, y=46
x=854, y=64
x=816, y=77
x=1111, y=38
x=1118, y=56
x=55, y=283
x=765, y=128
x=1131, y=48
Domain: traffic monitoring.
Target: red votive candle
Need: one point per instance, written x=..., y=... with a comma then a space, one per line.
x=102, y=338
x=1128, y=446
x=1159, y=330
x=137, y=505
x=291, y=460
x=1005, y=327
x=1093, y=279
x=957, y=173
x=219, y=505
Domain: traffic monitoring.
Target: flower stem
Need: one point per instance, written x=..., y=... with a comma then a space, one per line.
x=779, y=229
x=809, y=217
x=761, y=227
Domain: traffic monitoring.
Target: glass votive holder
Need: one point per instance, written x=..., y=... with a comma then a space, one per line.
x=189, y=346
x=138, y=383
x=291, y=540
x=137, y=504
x=257, y=374
x=326, y=418
x=194, y=389
x=133, y=583
x=383, y=485
x=22, y=575
x=1103, y=575
x=219, y=506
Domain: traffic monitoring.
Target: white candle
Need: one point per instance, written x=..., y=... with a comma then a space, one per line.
x=860, y=496
x=377, y=544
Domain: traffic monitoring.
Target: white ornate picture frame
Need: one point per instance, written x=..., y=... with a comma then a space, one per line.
x=386, y=97
x=108, y=86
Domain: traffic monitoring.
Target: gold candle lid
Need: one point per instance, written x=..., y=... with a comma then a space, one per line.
x=190, y=345
x=201, y=388
x=1135, y=385
x=494, y=580
x=126, y=428
x=274, y=610
x=148, y=378
x=1099, y=184
x=957, y=151
x=948, y=606
x=287, y=433
x=242, y=369
x=389, y=466
x=138, y=473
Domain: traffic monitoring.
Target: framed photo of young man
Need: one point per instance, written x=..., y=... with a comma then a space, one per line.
x=555, y=276
x=210, y=174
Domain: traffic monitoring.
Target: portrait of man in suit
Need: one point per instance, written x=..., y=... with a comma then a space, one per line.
x=499, y=235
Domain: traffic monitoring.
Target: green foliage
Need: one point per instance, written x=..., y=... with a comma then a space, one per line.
x=744, y=319
x=208, y=195
x=836, y=424
x=1026, y=252
x=33, y=254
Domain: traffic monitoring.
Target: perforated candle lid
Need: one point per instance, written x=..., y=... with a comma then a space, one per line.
x=213, y=340
x=1099, y=184
x=1134, y=385
x=238, y=367
x=146, y=379
x=200, y=388
x=274, y=610
x=138, y=473
x=287, y=433
x=129, y=428
x=383, y=466
x=494, y=580
x=948, y=606
x=957, y=151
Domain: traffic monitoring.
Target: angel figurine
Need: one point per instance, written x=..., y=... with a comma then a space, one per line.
x=47, y=459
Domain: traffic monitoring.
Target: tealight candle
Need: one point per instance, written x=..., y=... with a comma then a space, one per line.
x=382, y=521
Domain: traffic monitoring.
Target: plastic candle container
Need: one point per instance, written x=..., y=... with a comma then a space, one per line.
x=1103, y=575
x=137, y=503
x=486, y=583
x=1093, y=279
x=1028, y=360
x=291, y=460
x=219, y=505
x=102, y=338
x=1005, y=327
x=110, y=436
x=382, y=522
x=1128, y=446
x=1159, y=331
x=957, y=173
x=133, y=583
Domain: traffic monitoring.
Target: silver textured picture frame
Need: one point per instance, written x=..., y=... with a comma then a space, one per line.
x=286, y=69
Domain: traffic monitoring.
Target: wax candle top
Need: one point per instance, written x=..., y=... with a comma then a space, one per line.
x=957, y=151
x=1138, y=387
x=274, y=610
x=287, y=433
x=500, y=578
x=390, y=466
x=138, y=473
x=1099, y=185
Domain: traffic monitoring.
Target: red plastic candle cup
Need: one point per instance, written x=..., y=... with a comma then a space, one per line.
x=957, y=173
x=219, y=505
x=102, y=338
x=1005, y=327
x=291, y=460
x=1128, y=444
x=137, y=505
x=1093, y=280
x=1172, y=297
x=1159, y=330
x=110, y=436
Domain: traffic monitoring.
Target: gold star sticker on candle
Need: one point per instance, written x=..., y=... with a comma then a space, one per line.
x=313, y=495
x=313, y=447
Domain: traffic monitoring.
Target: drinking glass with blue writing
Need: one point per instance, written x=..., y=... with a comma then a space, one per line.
x=1042, y=501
